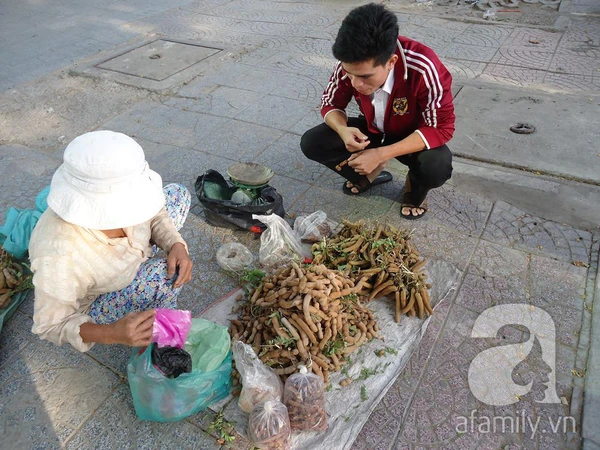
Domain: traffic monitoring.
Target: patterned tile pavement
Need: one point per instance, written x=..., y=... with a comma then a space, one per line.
x=253, y=103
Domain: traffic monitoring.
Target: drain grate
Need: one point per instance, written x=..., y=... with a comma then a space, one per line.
x=158, y=60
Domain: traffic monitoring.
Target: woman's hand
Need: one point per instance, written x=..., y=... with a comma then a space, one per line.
x=178, y=259
x=134, y=330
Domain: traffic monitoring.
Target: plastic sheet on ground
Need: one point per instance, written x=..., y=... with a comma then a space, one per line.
x=347, y=408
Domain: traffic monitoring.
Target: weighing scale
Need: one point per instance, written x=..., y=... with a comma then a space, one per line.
x=249, y=179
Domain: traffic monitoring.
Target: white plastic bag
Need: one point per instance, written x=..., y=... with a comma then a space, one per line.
x=259, y=382
x=279, y=244
x=315, y=226
x=234, y=256
x=269, y=426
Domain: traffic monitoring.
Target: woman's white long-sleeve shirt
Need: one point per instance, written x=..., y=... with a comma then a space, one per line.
x=73, y=265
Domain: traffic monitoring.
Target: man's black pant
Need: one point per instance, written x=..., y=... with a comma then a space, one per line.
x=428, y=169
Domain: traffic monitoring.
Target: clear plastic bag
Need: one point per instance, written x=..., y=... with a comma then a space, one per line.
x=279, y=244
x=259, y=382
x=315, y=226
x=234, y=256
x=304, y=397
x=269, y=426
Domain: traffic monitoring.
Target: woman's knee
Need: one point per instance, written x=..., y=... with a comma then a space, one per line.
x=178, y=200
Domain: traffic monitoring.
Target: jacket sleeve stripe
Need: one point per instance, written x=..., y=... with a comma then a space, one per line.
x=434, y=72
x=332, y=86
x=428, y=114
x=434, y=81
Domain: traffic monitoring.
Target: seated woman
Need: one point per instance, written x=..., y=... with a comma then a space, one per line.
x=95, y=275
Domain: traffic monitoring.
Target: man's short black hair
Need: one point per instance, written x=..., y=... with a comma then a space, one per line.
x=368, y=32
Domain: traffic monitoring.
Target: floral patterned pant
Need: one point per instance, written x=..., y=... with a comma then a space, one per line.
x=151, y=288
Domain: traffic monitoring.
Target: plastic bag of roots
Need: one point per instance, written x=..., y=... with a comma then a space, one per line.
x=269, y=426
x=304, y=397
x=259, y=382
x=314, y=227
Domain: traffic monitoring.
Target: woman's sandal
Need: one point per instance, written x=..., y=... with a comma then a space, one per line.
x=383, y=177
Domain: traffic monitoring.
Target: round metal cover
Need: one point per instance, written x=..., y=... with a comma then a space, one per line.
x=522, y=128
x=251, y=174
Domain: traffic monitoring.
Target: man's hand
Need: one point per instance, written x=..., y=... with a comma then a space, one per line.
x=353, y=138
x=178, y=258
x=134, y=330
x=365, y=162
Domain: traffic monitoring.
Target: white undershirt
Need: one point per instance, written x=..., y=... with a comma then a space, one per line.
x=379, y=100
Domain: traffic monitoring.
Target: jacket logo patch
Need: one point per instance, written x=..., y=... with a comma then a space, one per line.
x=400, y=106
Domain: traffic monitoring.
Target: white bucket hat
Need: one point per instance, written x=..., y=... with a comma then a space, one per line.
x=105, y=183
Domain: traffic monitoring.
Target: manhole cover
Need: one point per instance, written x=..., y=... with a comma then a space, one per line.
x=158, y=60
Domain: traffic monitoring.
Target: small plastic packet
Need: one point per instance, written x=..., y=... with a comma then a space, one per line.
x=279, y=244
x=259, y=382
x=304, y=398
x=171, y=327
x=315, y=226
x=269, y=426
x=234, y=256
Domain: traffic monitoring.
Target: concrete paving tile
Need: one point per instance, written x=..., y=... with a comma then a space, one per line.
x=24, y=172
x=437, y=242
x=16, y=334
x=115, y=425
x=275, y=112
x=338, y=205
x=570, y=63
x=312, y=119
x=240, y=140
x=510, y=226
x=286, y=159
x=468, y=52
x=316, y=66
x=480, y=292
x=48, y=391
x=483, y=36
x=167, y=125
x=115, y=357
x=184, y=166
x=532, y=38
x=493, y=260
x=462, y=69
x=321, y=47
x=512, y=75
x=462, y=211
x=223, y=101
x=558, y=282
x=572, y=83
x=523, y=57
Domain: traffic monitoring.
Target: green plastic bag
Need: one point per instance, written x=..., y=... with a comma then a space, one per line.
x=162, y=399
x=208, y=343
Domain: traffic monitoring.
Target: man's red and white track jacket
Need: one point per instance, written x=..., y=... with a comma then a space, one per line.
x=421, y=99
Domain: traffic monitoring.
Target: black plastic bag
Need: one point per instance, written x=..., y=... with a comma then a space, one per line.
x=171, y=361
x=222, y=212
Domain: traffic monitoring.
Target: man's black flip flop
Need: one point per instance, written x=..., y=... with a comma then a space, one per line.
x=383, y=177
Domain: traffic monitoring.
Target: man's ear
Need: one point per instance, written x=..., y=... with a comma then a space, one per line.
x=391, y=62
